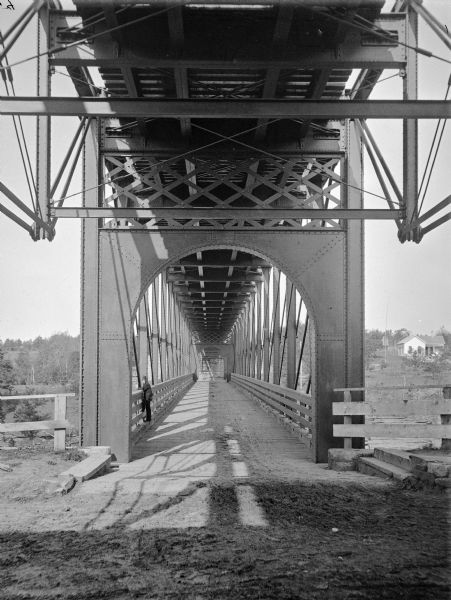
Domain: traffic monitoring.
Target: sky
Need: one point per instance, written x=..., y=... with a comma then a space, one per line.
x=406, y=285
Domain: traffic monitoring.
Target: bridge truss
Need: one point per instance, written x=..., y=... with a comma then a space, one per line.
x=221, y=145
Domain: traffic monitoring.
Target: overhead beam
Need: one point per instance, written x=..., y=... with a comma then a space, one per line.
x=213, y=289
x=236, y=277
x=71, y=212
x=223, y=109
x=220, y=263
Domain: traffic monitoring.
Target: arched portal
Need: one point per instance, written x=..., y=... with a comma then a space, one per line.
x=220, y=311
x=128, y=261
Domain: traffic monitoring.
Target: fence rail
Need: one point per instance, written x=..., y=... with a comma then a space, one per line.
x=295, y=406
x=163, y=394
x=420, y=408
x=58, y=425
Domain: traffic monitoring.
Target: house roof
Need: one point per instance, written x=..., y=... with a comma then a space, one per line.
x=434, y=340
x=408, y=338
x=429, y=340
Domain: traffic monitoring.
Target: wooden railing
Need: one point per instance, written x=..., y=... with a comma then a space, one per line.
x=163, y=394
x=58, y=425
x=389, y=408
x=295, y=406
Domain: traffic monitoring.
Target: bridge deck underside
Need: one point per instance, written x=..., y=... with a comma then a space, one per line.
x=204, y=51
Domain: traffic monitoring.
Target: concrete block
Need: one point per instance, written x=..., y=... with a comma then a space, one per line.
x=398, y=458
x=439, y=469
x=89, y=467
x=341, y=459
x=90, y=450
x=337, y=465
x=426, y=478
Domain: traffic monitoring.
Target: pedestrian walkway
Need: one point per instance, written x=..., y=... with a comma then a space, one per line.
x=215, y=435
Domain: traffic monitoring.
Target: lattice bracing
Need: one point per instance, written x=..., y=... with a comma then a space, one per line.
x=226, y=183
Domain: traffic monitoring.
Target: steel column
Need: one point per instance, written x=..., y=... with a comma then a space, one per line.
x=43, y=124
x=266, y=275
x=259, y=331
x=164, y=328
x=276, y=325
x=156, y=358
x=355, y=284
x=410, y=126
x=89, y=318
x=142, y=339
x=291, y=336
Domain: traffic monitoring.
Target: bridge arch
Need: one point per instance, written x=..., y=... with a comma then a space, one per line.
x=301, y=298
x=128, y=260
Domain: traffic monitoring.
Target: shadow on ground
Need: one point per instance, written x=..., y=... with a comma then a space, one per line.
x=318, y=541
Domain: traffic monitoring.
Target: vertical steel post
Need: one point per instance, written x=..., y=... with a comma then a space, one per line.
x=142, y=339
x=247, y=339
x=176, y=338
x=148, y=296
x=164, y=327
x=156, y=358
x=43, y=122
x=266, y=276
x=252, y=340
x=259, y=331
x=410, y=126
x=170, y=333
x=89, y=318
x=291, y=335
x=355, y=284
x=276, y=325
x=242, y=346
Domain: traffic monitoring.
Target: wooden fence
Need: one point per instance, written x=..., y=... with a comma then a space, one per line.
x=414, y=408
x=163, y=394
x=58, y=425
x=295, y=406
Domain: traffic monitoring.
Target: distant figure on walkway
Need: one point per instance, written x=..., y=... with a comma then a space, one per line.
x=146, y=399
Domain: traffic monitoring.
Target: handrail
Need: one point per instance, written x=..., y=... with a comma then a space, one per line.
x=58, y=425
x=393, y=387
x=35, y=396
x=297, y=407
x=163, y=394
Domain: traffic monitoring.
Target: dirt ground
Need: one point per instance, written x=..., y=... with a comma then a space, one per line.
x=185, y=521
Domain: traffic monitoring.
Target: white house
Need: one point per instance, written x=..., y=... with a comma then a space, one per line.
x=424, y=344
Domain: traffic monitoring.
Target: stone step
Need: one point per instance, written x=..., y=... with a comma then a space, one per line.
x=89, y=467
x=398, y=458
x=374, y=466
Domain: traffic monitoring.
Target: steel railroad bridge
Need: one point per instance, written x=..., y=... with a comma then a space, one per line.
x=223, y=204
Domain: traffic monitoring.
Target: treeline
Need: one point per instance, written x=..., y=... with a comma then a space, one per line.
x=42, y=361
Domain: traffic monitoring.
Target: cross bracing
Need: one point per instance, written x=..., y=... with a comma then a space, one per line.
x=252, y=60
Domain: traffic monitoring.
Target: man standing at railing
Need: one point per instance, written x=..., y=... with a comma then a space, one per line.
x=146, y=399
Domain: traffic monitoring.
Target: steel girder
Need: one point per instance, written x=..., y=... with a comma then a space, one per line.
x=224, y=109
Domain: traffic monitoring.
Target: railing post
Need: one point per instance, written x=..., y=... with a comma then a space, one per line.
x=266, y=275
x=59, y=435
x=347, y=420
x=446, y=419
